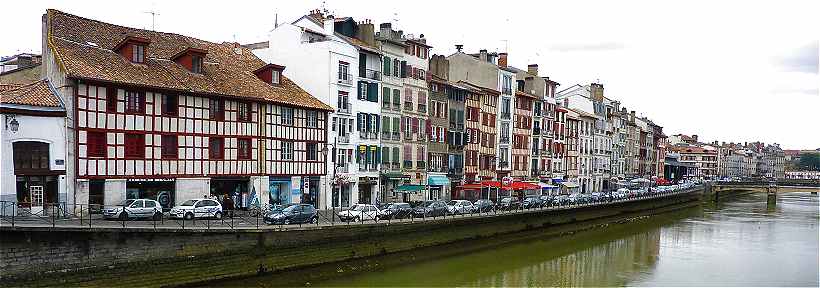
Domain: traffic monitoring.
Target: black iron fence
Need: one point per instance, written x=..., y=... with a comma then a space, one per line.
x=89, y=216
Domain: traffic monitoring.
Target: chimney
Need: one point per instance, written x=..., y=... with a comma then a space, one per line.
x=482, y=55
x=502, y=59
x=695, y=137
x=329, y=25
x=532, y=69
x=366, y=33
x=385, y=30
x=422, y=39
x=459, y=47
x=237, y=49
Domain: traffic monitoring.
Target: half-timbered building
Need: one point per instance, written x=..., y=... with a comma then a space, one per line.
x=171, y=117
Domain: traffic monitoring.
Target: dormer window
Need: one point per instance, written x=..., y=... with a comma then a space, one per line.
x=192, y=58
x=133, y=48
x=196, y=64
x=138, y=53
x=271, y=74
x=274, y=77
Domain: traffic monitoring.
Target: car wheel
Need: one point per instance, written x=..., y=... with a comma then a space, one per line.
x=123, y=216
x=357, y=219
x=157, y=215
x=376, y=218
x=188, y=216
x=287, y=221
x=218, y=215
x=314, y=220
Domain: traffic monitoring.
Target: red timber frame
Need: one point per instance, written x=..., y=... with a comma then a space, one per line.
x=193, y=128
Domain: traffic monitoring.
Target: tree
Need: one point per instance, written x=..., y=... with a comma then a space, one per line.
x=810, y=161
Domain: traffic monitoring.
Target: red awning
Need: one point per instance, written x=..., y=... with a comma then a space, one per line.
x=471, y=186
x=518, y=185
x=493, y=184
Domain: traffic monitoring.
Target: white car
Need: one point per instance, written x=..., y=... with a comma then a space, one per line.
x=359, y=212
x=459, y=206
x=197, y=208
x=134, y=208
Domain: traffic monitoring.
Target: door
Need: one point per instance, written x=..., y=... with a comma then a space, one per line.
x=36, y=194
x=200, y=208
x=136, y=209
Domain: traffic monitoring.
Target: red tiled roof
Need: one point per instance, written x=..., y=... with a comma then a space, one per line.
x=525, y=94
x=83, y=49
x=36, y=93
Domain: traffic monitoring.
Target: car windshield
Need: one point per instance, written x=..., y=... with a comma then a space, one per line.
x=452, y=202
x=359, y=208
x=506, y=200
x=126, y=202
x=425, y=204
x=289, y=209
x=188, y=203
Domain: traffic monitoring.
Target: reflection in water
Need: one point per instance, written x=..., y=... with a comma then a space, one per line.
x=739, y=242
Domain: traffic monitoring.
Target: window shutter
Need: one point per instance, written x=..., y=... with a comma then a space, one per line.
x=403, y=123
x=141, y=102
x=428, y=128
x=359, y=122
x=111, y=99
x=367, y=122
x=378, y=123
x=396, y=124
x=403, y=69
x=386, y=61
x=373, y=92
x=359, y=91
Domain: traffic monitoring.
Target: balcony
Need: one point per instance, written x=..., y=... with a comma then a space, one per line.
x=395, y=166
x=536, y=131
x=386, y=135
x=422, y=108
x=407, y=164
x=346, y=79
x=343, y=168
x=535, y=152
x=506, y=91
x=344, y=108
x=396, y=106
x=343, y=139
x=505, y=140
x=505, y=115
x=420, y=164
x=437, y=169
x=372, y=74
x=396, y=136
x=408, y=106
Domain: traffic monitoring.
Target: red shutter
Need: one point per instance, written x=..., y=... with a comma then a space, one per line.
x=428, y=128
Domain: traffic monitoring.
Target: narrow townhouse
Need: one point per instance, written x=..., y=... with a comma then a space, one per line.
x=415, y=119
x=529, y=84
x=580, y=99
x=447, y=112
x=571, y=160
x=171, y=117
x=522, y=136
x=506, y=78
x=321, y=52
x=392, y=47
x=559, y=143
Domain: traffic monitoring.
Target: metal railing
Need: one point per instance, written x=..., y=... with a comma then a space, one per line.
x=346, y=79
x=88, y=216
x=372, y=74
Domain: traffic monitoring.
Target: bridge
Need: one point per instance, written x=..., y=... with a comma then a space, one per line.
x=772, y=188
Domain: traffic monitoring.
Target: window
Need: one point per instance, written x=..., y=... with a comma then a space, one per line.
x=111, y=100
x=385, y=97
x=396, y=65
x=344, y=72
x=312, y=119
x=95, y=144
x=170, y=104
x=243, y=149
x=216, y=146
x=169, y=147
x=134, y=102
x=287, y=150
x=135, y=145
x=138, y=53
x=312, y=152
x=216, y=109
x=286, y=116
x=274, y=77
x=243, y=111
x=30, y=155
x=196, y=64
x=343, y=103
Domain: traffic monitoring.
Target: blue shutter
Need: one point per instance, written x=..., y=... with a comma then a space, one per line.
x=359, y=122
x=378, y=123
x=372, y=92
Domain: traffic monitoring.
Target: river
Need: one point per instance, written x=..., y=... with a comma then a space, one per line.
x=740, y=241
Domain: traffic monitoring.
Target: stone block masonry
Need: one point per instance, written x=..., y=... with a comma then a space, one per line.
x=139, y=257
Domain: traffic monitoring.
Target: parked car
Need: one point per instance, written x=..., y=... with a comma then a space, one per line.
x=606, y=197
x=595, y=197
x=459, y=207
x=430, y=208
x=509, y=203
x=483, y=205
x=532, y=201
x=360, y=212
x=574, y=198
x=134, y=208
x=560, y=200
x=546, y=200
x=395, y=211
x=622, y=193
x=197, y=208
x=292, y=214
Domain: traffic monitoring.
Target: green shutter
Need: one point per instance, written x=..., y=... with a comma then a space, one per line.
x=386, y=97
x=385, y=155
x=373, y=92
x=396, y=125
x=385, y=124
x=386, y=61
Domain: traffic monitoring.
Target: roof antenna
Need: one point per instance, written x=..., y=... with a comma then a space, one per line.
x=154, y=14
x=275, y=20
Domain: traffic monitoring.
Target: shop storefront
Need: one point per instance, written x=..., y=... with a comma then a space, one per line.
x=367, y=189
x=391, y=181
x=437, y=186
x=36, y=184
x=161, y=190
x=238, y=189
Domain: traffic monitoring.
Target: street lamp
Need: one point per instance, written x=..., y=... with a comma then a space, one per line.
x=12, y=125
x=325, y=152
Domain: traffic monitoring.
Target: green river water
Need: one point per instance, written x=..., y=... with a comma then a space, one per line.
x=740, y=241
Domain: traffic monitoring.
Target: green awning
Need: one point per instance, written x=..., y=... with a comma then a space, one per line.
x=438, y=181
x=411, y=188
x=394, y=175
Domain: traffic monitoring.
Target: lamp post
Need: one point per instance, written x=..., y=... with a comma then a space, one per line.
x=12, y=124
x=332, y=152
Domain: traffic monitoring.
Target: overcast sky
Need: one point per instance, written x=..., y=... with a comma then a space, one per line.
x=727, y=71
